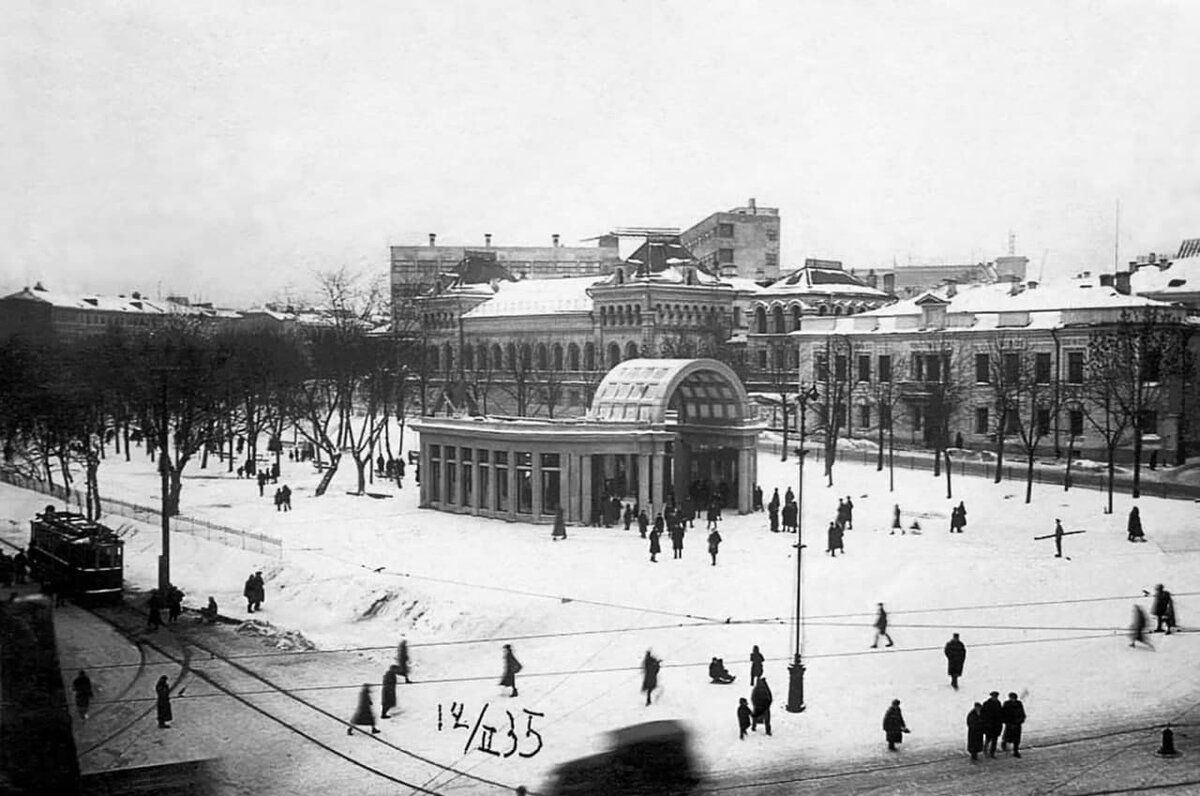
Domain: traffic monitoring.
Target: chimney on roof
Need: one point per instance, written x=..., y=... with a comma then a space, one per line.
x=1121, y=283
x=753, y=206
x=136, y=295
x=433, y=239
x=951, y=289
x=38, y=286
x=554, y=238
x=487, y=239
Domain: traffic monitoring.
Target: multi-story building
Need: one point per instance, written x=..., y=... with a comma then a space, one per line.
x=914, y=279
x=41, y=314
x=742, y=242
x=958, y=366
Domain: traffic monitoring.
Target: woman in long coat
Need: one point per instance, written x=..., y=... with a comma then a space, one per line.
x=511, y=667
x=402, y=660
x=655, y=547
x=714, y=546
x=389, y=691
x=1135, y=525
x=363, y=717
x=893, y=725
x=975, y=731
x=162, y=691
x=756, y=665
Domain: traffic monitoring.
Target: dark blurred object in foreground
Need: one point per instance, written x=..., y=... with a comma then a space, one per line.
x=649, y=758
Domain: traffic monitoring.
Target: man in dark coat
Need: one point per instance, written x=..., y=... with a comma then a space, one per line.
x=773, y=516
x=643, y=524
x=655, y=547
x=82, y=686
x=756, y=665
x=1014, y=717
x=849, y=525
x=650, y=667
x=975, y=731
x=1163, y=609
x=388, y=701
x=174, y=603
x=259, y=590
x=894, y=726
x=758, y=501
x=248, y=593
x=789, y=496
x=676, y=539
x=956, y=654
x=627, y=516
x=714, y=545
x=761, y=699
x=775, y=502
x=834, y=534
x=162, y=702
x=881, y=626
x=992, y=714
x=511, y=666
x=154, y=617
x=896, y=520
x=1137, y=630
x=789, y=517
x=363, y=716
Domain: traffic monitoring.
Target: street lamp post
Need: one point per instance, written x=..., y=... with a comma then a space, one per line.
x=795, y=703
x=164, y=560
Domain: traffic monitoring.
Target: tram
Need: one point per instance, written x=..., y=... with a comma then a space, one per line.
x=81, y=558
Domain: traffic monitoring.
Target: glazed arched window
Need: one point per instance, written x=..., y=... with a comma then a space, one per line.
x=631, y=350
x=796, y=313
x=760, y=320
x=589, y=356
x=556, y=359
x=572, y=357
x=614, y=355
x=777, y=318
x=543, y=357
x=497, y=357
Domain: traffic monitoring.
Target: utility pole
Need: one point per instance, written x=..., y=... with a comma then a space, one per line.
x=164, y=559
x=795, y=703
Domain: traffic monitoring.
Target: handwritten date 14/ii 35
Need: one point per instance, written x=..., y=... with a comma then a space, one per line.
x=501, y=740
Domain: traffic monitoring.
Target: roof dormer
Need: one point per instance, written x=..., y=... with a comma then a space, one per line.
x=933, y=311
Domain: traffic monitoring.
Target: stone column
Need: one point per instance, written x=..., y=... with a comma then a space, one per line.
x=644, y=486
x=512, y=484
x=745, y=482
x=585, y=489
x=535, y=472
x=656, y=478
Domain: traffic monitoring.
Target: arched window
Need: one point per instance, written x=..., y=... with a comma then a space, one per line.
x=631, y=350
x=614, y=355
x=543, y=357
x=620, y=274
x=526, y=357
x=572, y=357
x=796, y=313
x=777, y=317
x=497, y=357
x=510, y=355
x=589, y=356
x=822, y=310
x=447, y=357
x=760, y=320
x=481, y=357
x=469, y=358
x=620, y=316
x=837, y=309
x=604, y=316
x=637, y=315
x=557, y=359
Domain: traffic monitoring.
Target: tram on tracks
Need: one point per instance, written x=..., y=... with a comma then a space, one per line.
x=83, y=559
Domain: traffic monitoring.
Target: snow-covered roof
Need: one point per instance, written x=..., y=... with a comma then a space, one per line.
x=537, y=297
x=821, y=281
x=90, y=301
x=1179, y=276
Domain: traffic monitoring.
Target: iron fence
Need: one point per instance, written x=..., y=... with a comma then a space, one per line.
x=192, y=526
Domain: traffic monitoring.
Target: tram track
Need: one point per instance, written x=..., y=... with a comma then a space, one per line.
x=331, y=725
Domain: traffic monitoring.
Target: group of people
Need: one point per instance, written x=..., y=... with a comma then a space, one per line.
x=1162, y=607
x=255, y=591
x=958, y=518
x=283, y=498
x=172, y=600
x=790, y=512
x=673, y=521
x=836, y=533
x=391, y=469
x=986, y=722
x=13, y=569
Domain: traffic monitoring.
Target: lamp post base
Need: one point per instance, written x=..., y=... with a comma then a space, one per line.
x=795, y=703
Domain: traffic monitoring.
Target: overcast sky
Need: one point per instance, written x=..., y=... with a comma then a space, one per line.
x=229, y=150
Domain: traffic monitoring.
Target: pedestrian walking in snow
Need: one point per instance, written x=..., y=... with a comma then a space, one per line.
x=757, y=504
x=402, y=660
x=993, y=722
x=162, y=702
x=363, y=715
x=1137, y=630
x=279, y=500
x=643, y=524
x=1058, y=537
x=714, y=545
x=388, y=699
x=655, y=547
x=258, y=590
x=1013, y=713
x=82, y=686
x=174, y=603
x=1135, y=526
x=773, y=516
x=881, y=626
x=896, y=520
x=714, y=516
x=628, y=516
x=840, y=516
x=248, y=593
x=511, y=667
x=962, y=516
x=154, y=606
x=676, y=539
x=834, y=534
x=975, y=731
x=262, y=483
x=285, y=494
x=894, y=726
x=743, y=717
x=560, y=526
x=956, y=654
x=954, y=520
x=849, y=524
x=789, y=496
x=756, y=665
x=650, y=667
x=1163, y=609
x=760, y=700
